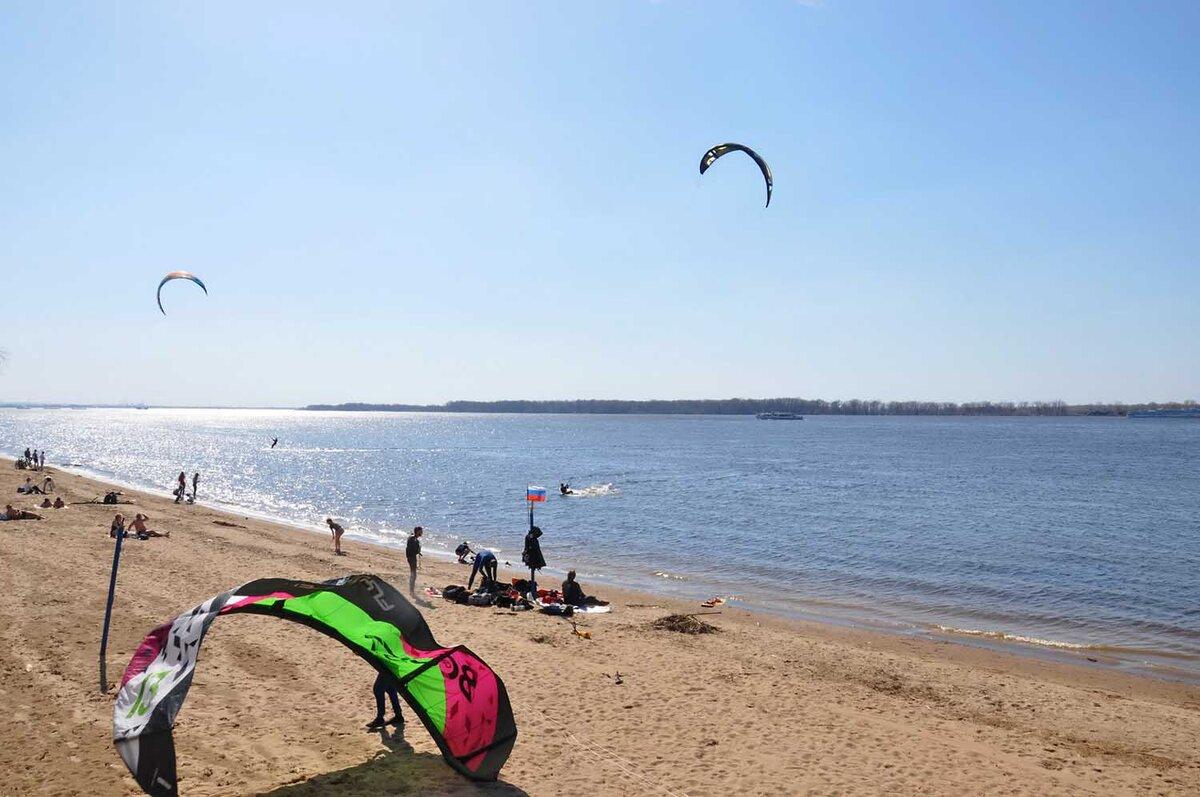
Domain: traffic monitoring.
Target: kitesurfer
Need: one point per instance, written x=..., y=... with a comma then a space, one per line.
x=274, y=440
x=385, y=685
x=565, y=488
x=412, y=549
x=337, y=532
x=532, y=554
x=485, y=563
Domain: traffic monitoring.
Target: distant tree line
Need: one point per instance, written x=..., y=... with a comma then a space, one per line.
x=739, y=406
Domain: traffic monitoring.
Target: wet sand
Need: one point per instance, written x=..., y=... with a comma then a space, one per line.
x=767, y=706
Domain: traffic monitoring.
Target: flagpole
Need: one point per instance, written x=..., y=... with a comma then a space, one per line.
x=112, y=591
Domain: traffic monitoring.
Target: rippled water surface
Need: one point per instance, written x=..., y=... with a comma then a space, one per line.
x=1063, y=532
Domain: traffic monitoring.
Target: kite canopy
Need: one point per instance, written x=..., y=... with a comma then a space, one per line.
x=178, y=275
x=459, y=698
x=711, y=156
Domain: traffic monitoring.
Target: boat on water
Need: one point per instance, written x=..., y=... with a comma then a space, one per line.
x=1186, y=412
x=779, y=416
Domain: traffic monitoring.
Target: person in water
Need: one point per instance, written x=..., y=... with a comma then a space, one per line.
x=337, y=531
x=485, y=562
x=565, y=488
x=462, y=552
x=274, y=441
x=573, y=595
x=412, y=549
x=385, y=685
x=181, y=488
x=532, y=555
x=195, y=486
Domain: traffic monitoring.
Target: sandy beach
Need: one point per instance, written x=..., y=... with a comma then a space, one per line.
x=764, y=707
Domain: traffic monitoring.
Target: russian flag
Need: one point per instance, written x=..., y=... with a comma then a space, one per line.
x=535, y=494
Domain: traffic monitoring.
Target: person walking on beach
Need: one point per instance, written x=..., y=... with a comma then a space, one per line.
x=385, y=685
x=181, y=488
x=532, y=555
x=412, y=550
x=195, y=485
x=337, y=532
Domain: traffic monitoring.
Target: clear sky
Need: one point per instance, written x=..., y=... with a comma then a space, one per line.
x=501, y=200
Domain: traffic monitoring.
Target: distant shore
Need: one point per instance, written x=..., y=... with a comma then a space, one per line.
x=798, y=406
x=861, y=712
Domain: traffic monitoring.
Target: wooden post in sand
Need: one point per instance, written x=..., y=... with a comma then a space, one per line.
x=112, y=591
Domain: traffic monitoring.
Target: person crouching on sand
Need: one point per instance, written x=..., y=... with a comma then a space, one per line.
x=337, y=532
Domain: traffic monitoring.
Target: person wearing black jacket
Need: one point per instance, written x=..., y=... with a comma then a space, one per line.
x=411, y=551
x=532, y=555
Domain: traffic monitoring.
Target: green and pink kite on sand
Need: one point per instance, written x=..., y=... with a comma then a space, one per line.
x=460, y=700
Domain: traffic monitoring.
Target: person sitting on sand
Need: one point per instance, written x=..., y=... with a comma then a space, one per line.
x=138, y=528
x=45, y=504
x=117, y=529
x=485, y=562
x=573, y=595
x=19, y=514
x=385, y=684
x=59, y=503
x=337, y=532
x=532, y=554
x=462, y=552
x=29, y=488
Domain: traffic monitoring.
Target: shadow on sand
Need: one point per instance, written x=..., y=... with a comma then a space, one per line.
x=397, y=771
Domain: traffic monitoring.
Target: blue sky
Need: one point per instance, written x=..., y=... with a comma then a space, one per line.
x=495, y=200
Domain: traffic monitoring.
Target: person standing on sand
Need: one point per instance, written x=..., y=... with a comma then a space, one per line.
x=181, y=489
x=195, y=485
x=337, y=532
x=412, y=550
x=532, y=555
x=385, y=685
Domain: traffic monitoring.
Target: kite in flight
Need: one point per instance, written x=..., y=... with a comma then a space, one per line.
x=459, y=698
x=711, y=156
x=178, y=275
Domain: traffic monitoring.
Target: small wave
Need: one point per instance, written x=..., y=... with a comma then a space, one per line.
x=672, y=576
x=593, y=491
x=1028, y=640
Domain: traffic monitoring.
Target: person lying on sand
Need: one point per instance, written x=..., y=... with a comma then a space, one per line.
x=337, y=532
x=573, y=594
x=19, y=514
x=138, y=527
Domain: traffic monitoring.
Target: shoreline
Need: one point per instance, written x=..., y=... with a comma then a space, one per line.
x=276, y=709
x=1152, y=663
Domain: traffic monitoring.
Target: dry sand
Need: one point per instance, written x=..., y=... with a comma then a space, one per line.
x=765, y=707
